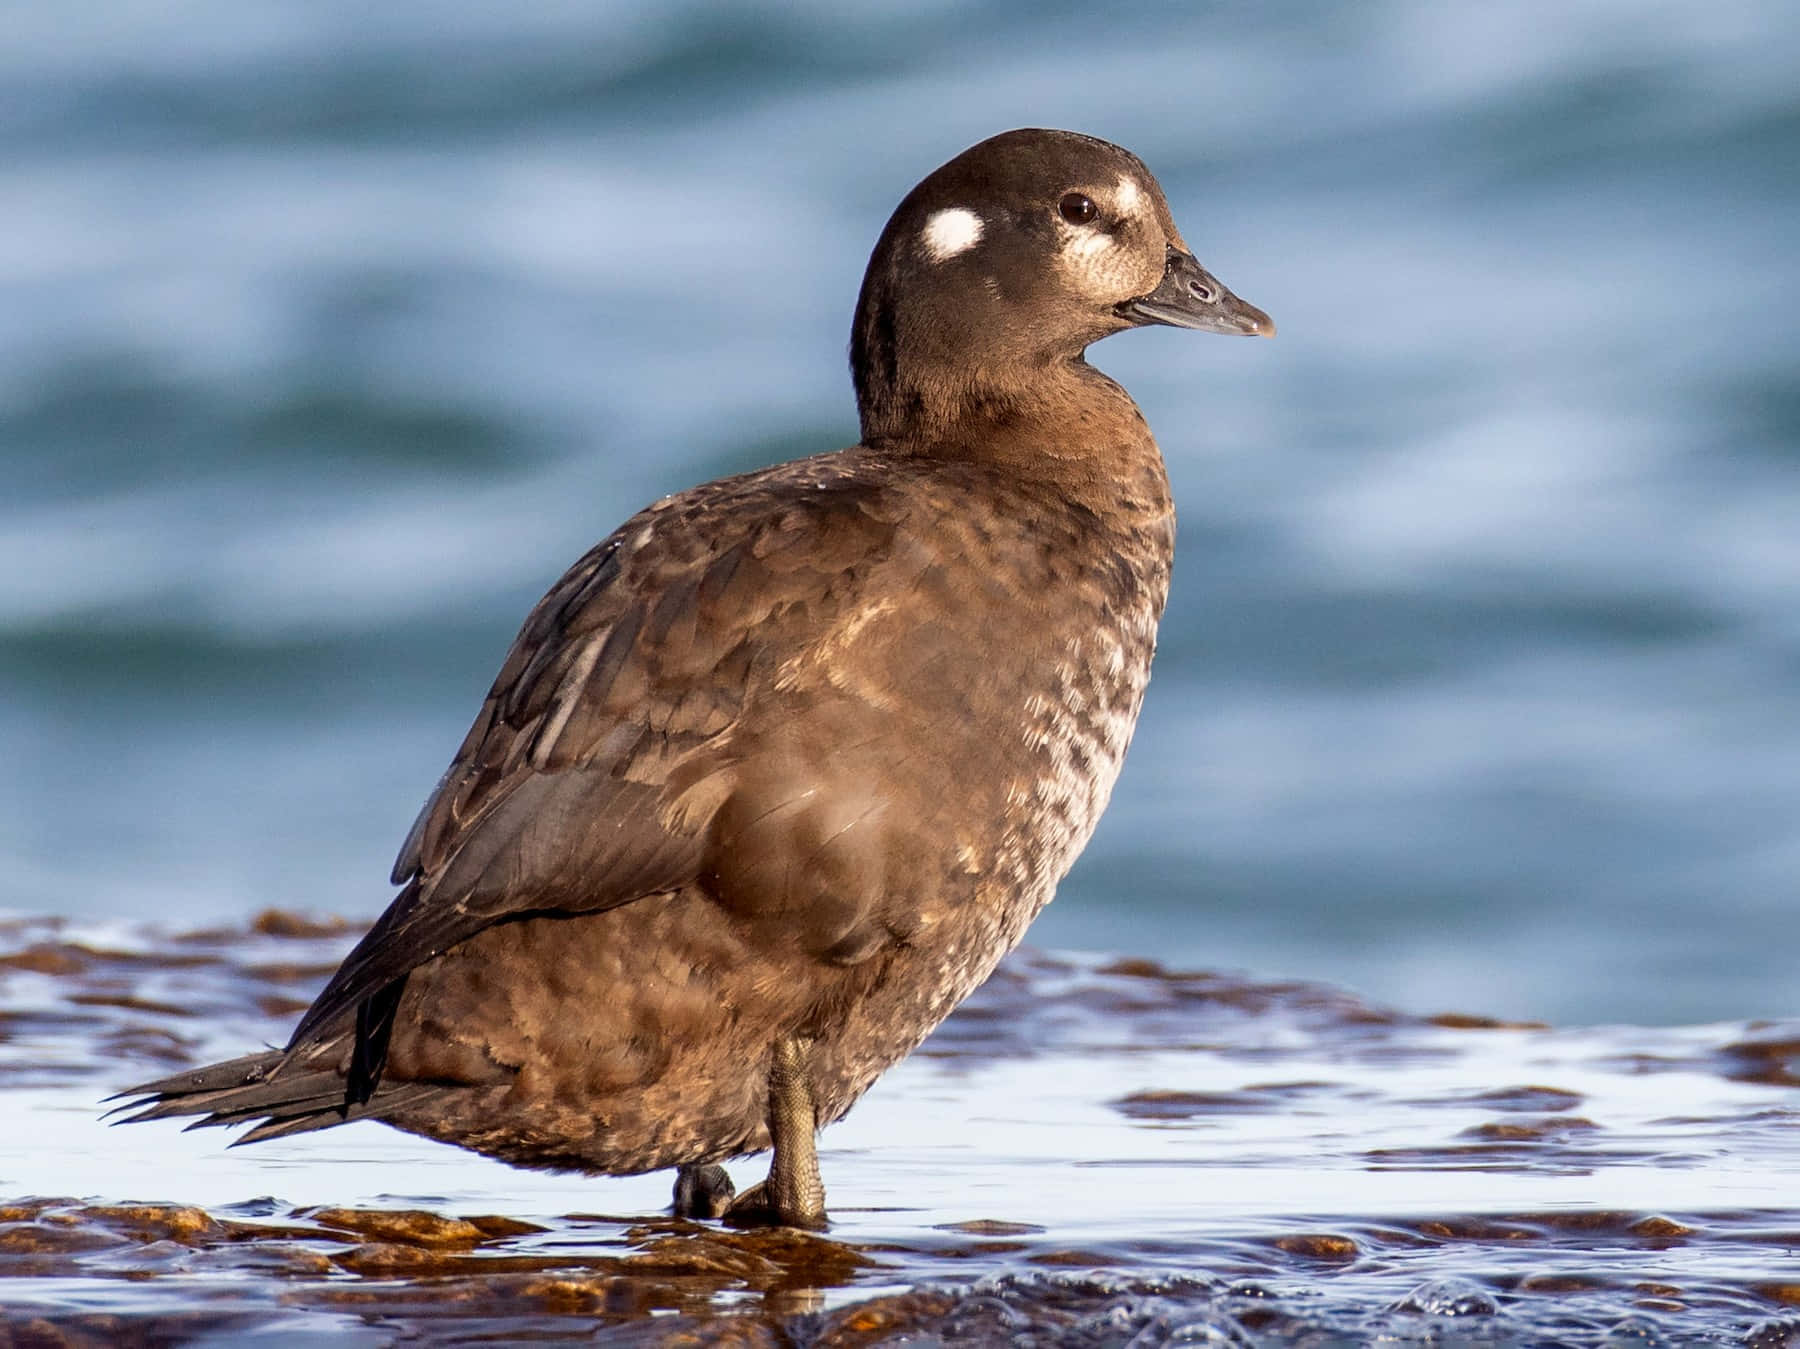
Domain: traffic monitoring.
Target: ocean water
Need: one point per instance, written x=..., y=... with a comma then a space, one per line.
x=1098, y=1153
x=330, y=334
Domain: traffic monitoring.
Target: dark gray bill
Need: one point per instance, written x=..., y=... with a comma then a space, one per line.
x=1191, y=297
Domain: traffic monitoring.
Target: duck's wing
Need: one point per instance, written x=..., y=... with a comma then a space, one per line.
x=602, y=752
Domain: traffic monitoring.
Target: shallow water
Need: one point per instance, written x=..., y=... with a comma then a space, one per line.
x=1088, y=1153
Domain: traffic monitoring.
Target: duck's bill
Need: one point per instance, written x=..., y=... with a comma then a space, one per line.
x=1191, y=297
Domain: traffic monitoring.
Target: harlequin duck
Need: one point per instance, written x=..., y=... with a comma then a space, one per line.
x=775, y=775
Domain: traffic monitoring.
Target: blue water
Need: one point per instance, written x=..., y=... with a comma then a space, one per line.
x=330, y=333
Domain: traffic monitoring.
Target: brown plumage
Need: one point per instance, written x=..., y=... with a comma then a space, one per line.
x=775, y=775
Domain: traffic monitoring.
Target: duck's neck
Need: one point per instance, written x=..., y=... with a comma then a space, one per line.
x=1060, y=419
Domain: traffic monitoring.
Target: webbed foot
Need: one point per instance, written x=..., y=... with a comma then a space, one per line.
x=702, y=1192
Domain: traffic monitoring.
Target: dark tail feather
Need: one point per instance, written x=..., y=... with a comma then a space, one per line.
x=192, y=1092
x=303, y=1118
x=374, y=1028
x=288, y=1093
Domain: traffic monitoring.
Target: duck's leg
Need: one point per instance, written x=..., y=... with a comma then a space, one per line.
x=702, y=1192
x=793, y=1195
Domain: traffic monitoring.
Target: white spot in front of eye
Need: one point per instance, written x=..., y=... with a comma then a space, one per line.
x=952, y=231
x=1128, y=197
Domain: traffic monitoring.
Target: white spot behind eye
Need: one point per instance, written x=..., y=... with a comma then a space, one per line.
x=1128, y=195
x=952, y=231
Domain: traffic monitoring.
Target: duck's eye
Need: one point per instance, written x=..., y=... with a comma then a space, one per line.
x=1077, y=208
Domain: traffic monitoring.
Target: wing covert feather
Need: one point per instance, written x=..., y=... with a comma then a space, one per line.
x=572, y=790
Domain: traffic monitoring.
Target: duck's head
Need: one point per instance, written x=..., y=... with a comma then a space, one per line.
x=1014, y=257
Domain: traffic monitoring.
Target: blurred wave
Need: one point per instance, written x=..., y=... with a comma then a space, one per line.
x=331, y=335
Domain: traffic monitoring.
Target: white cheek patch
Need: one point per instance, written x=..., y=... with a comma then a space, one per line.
x=952, y=231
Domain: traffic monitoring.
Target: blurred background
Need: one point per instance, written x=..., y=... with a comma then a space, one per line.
x=330, y=333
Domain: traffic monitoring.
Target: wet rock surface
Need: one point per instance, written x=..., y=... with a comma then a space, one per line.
x=1091, y=1152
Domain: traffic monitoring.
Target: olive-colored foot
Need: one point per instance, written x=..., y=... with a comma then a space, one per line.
x=702, y=1192
x=793, y=1195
